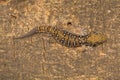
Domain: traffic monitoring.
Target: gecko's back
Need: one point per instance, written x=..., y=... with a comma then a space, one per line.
x=67, y=38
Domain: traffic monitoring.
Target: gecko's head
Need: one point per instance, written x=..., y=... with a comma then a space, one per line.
x=95, y=39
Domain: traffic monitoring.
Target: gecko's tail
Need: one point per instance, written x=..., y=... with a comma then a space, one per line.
x=32, y=32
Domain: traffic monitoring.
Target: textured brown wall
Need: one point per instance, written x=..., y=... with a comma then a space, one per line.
x=39, y=57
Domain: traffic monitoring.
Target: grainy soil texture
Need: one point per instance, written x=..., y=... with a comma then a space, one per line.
x=40, y=57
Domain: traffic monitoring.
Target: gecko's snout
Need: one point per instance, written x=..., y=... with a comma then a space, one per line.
x=95, y=39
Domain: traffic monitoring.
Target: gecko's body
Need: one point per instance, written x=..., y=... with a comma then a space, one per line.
x=68, y=39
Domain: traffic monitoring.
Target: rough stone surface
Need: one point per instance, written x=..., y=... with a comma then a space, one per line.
x=39, y=57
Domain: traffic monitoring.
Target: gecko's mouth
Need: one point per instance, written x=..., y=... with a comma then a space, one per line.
x=94, y=44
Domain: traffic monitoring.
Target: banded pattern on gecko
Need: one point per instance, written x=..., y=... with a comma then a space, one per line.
x=67, y=38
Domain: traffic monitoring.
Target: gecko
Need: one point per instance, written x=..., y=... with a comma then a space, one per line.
x=67, y=38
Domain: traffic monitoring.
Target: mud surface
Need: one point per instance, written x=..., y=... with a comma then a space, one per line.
x=39, y=57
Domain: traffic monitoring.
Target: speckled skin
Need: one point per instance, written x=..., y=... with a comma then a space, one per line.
x=67, y=38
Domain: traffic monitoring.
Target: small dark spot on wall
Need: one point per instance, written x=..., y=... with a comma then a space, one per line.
x=69, y=23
